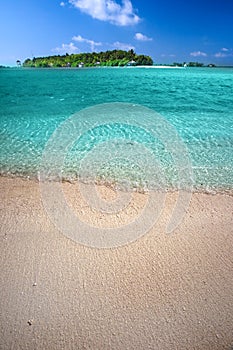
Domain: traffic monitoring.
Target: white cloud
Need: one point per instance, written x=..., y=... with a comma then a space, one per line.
x=198, y=54
x=168, y=55
x=92, y=43
x=224, y=52
x=142, y=37
x=62, y=4
x=220, y=55
x=123, y=46
x=108, y=10
x=66, y=48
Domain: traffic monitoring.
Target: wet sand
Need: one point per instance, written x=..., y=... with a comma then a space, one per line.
x=160, y=292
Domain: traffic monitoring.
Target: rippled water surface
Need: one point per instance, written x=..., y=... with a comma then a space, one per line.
x=197, y=102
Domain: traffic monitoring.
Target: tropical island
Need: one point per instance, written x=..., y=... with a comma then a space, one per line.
x=113, y=58
x=91, y=59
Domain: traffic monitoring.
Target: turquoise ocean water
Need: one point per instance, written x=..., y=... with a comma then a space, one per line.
x=197, y=102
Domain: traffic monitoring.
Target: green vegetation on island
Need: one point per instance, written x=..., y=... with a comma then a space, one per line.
x=192, y=64
x=187, y=64
x=108, y=58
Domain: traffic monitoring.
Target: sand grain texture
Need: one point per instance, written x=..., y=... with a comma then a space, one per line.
x=160, y=292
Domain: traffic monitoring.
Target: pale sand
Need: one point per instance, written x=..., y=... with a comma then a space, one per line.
x=160, y=292
x=157, y=67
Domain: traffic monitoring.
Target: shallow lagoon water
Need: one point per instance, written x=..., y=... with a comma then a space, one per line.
x=197, y=102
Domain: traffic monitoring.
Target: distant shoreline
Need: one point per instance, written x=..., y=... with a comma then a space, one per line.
x=108, y=67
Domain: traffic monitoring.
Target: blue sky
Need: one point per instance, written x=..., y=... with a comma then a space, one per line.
x=169, y=31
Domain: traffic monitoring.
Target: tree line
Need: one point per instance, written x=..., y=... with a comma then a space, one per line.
x=192, y=64
x=90, y=59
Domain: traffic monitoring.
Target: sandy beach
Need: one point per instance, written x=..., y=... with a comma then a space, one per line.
x=160, y=292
